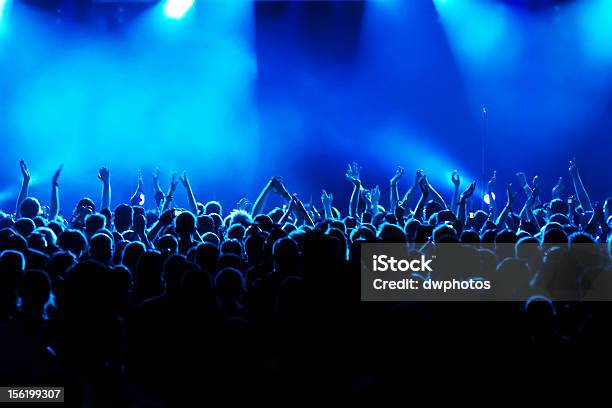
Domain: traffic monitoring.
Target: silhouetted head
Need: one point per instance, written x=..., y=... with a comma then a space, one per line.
x=286, y=254
x=263, y=221
x=206, y=256
x=74, y=241
x=50, y=236
x=94, y=223
x=24, y=226
x=12, y=267
x=443, y=230
x=37, y=241
x=213, y=207
x=123, y=217
x=235, y=231
x=231, y=246
x=34, y=290
x=185, y=224
x=211, y=238
x=40, y=222
x=101, y=248
x=132, y=253
x=167, y=244
x=174, y=267
x=29, y=208
x=230, y=284
x=391, y=233
x=558, y=206
x=205, y=224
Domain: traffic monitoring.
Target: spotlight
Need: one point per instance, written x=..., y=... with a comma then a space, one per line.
x=176, y=9
x=487, y=199
x=3, y=5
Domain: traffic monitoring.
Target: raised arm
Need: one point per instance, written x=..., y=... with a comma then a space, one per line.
x=492, y=202
x=299, y=208
x=501, y=220
x=138, y=196
x=193, y=205
x=290, y=208
x=165, y=219
x=522, y=178
x=54, y=210
x=408, y=197
x=437, y=197
x=424, y=186
x=456, y=180
x=170, y=196
x=581, y=193
x=558, y=189
x=159, y=194
x=393, y=190
x=326, y=200
x=375, y=197
x=352, y=174
x=260, y=202
x=463, y=200
x=25, y=184
x=104, y=176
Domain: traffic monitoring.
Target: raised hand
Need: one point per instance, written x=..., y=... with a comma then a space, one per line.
x=353, y=173
x=511, y=195
x=455, y=178
x=155, y=175
x=467, y=193
x=522, y=178
x=25, y=173
x=424, y=185
x=167, y=217
x=558, y=188
x=104, y=174
x=492, y=181
x=327, y=199
x=243, y=204
x=184, y=180
x=375, y=195
x=573, y=168
x=536, y=182
x=57, y=174
x=399, y=173
x=367, y=197
x=174, y=180
x=140, y=188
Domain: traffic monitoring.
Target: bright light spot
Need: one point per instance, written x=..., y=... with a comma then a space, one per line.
x=594, y=19
x=487, y=199
x=3, y=5
x=176, y=9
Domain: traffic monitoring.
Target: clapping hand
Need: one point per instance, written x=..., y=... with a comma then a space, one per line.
x=399, y=173
x=467, y=193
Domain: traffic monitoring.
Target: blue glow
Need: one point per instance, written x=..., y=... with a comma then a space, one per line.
x=479, y=30
x=159, y=95
x=176, y=9
x=595, y=22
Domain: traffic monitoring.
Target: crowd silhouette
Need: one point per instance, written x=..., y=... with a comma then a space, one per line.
x=127, y=304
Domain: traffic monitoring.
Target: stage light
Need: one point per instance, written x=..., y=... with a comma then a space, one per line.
x=3, y=5
x=487, y=199
x=176, y=9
